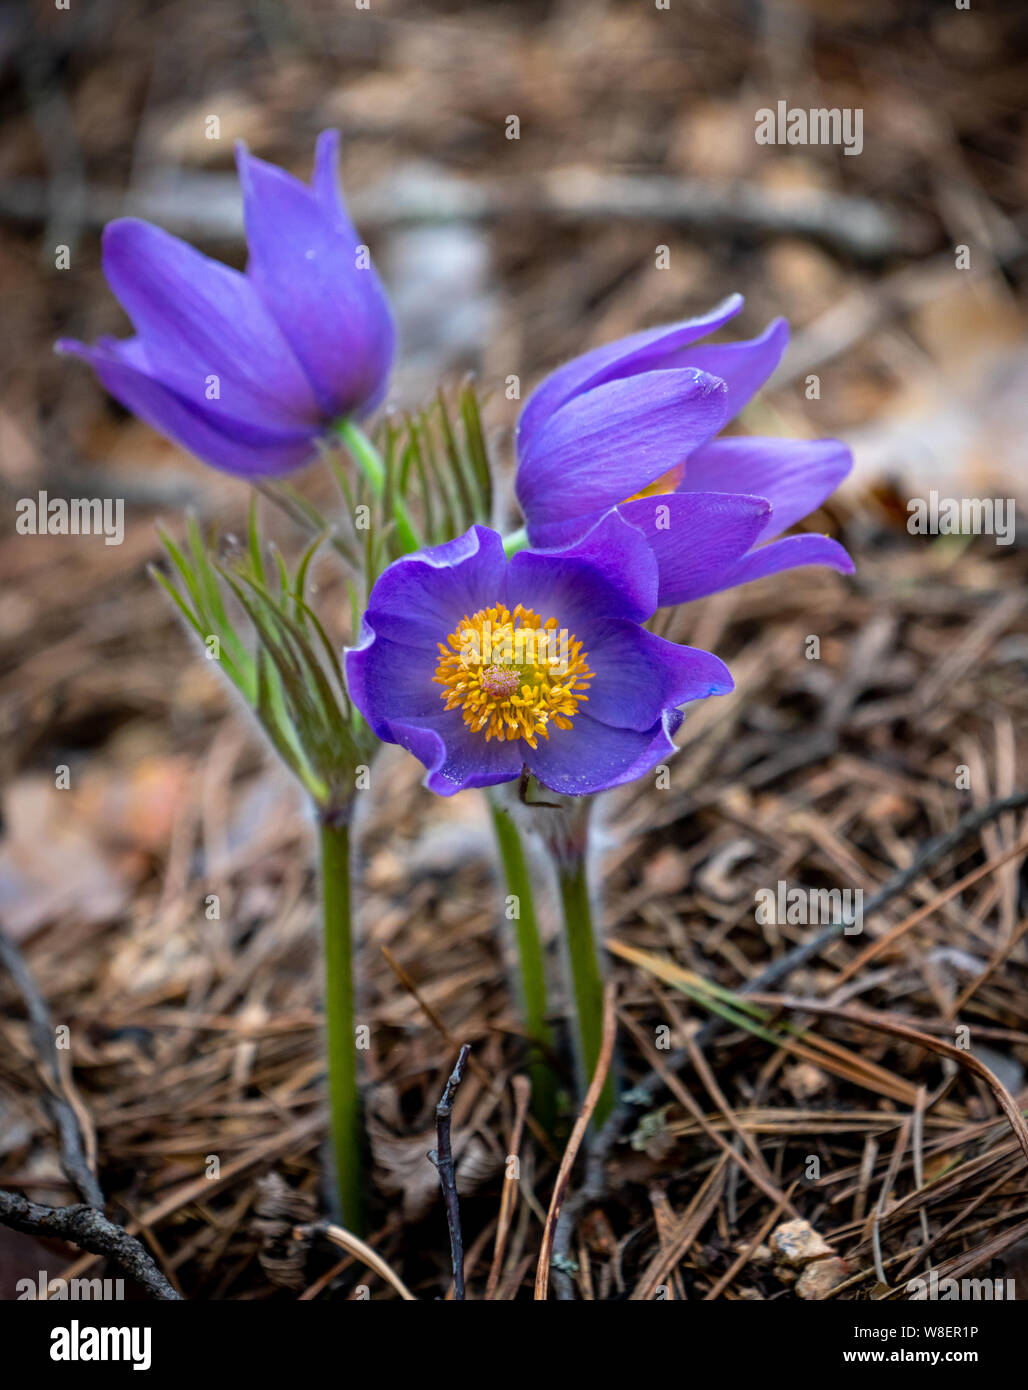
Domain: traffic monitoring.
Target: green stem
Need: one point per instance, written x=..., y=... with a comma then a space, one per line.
x=344, y=1097
x=585, y=971
x=517, y=540
x=533, y=969
x=368, y=460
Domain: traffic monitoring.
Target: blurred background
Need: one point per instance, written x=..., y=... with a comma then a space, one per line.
x=636, y=145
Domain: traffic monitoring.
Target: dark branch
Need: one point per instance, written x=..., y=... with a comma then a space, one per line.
x=89, y=1230
x=443, y=1160
x=60, y=1109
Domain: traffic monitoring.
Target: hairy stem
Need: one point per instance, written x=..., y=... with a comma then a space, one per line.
x=344, y=1097
x=586, y=977
x=532, y=963
x=368, y=460
x=517, y=540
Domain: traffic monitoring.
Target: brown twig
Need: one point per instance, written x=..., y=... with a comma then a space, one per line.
x=363, y=1252
x=522, y=1094
x=542, y=1274
x=899, y=1028
x=999, y=957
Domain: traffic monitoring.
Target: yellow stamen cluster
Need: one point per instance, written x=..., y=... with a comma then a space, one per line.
x=511, y=675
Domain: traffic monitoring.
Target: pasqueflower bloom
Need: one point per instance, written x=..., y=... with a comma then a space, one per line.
x=480, y=665
x=247, y=371
x=633, y=425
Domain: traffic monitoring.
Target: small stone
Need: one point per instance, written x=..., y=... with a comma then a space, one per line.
x=820, y=1277
x=796, y=1242
x=804, y=1080
x=760, y=1256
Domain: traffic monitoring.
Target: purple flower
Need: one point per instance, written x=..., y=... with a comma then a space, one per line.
x=480, y=665
x=248, y=371
x=633, y=425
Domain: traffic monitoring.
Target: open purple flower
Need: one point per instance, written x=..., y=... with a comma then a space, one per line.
x=633, y=425
x=480, y=665
x=247, y=371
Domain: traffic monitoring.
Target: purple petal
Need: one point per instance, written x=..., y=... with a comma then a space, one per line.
x=389, y=680
x=796, y=475
x=247, y=450
x=420, y=598
x=640, y=352
x=696, y=537
x=326, y=186
x=593, y=756
x=199, y=319
x=391, y=683
x=790, y=553
x=558, y=535
x=615, y=440
x=304, y=264
x=455, y=757
x=609, y=573
x=744, y=367
x=638, y=676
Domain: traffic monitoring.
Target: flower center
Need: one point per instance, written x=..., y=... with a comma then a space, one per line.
x=512, y=675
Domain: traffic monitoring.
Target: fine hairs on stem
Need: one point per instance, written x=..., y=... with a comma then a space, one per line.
x=565, y=829
x=344, y=1094
x=531, y=956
